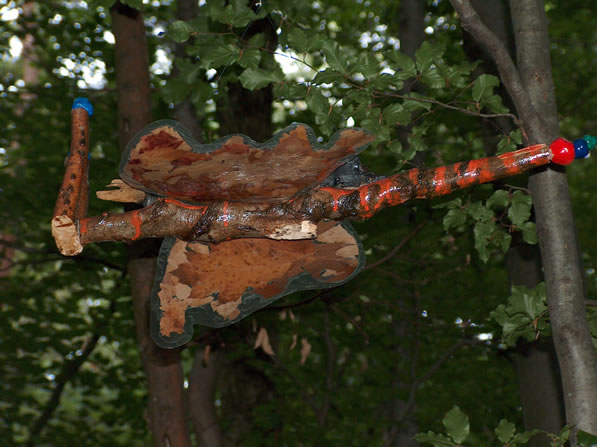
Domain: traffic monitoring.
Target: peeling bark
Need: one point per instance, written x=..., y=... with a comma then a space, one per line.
x=295, y=218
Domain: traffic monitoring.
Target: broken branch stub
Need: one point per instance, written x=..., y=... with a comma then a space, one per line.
x=71, y=204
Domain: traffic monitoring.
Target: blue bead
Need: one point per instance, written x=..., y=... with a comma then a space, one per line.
x=83, y=103
x=581, y=148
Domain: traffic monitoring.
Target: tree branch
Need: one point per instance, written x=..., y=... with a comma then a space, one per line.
x=509, y=74
x=296, y=219
x=69, y=371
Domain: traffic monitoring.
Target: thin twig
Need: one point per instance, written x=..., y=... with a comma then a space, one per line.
x=509, y=74
x=69, y=371
x=431, y=370
x=398, y=247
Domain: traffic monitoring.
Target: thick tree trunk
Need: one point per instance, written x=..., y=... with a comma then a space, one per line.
x=185, y=111
x=535, y=363
x=532, y=90
x=202, y=387
x=555, y=226
x=410, y=17
x=163, y=370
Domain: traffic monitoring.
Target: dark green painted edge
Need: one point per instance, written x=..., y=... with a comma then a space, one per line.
x=207, y=317
x=211, y=147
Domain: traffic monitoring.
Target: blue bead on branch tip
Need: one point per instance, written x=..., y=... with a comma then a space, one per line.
x=83, y=103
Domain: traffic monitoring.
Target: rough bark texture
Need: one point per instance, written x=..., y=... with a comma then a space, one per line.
x=555, y=226
x=167, y=417
x=295, y=218
x=410, y=17
x=185, y=111
x=532, y=91
x=536, y=363
x=71, y=204
x=201, y=396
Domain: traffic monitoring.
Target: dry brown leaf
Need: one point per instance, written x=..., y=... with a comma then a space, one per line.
x=305, y=350
x=206, y=352
x=293, y=344
x=262, y=342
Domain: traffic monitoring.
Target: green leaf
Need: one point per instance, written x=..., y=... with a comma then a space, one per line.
x=523, y=438
x=257, y=41
x=435, y=439
x=404, y=63
x=416, y=103
x=494, y=104
x=179, y=31
x=395, y=147
x=501, y=239
x=237, y=14
x=586, y=439
x=457, y=425
x=479, y=212
x=483, y=86
x=529, y=232
x=217, y=55
x=483, y=232
x=298, y=40
x=508, y=143
x=505, y=430
x=317, y=103
x=334, y=56
x=373, y=123
x=427, y=54
x=175, y=90
x=385, y=80
x=249, y=58
x=256, y=78
x=432, y=78
x=328, y=76
x=188, y=71
x=395, y=114
x=456, y=203
x=454, y=218
x=290, y=90
x=368, y=65
x=520, y=210
x=499, y=199
x=417, y=142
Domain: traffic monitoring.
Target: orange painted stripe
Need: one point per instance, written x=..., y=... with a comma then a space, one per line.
x=187, y=206
x=136, y=222
x=225, y=213
x=83, y=226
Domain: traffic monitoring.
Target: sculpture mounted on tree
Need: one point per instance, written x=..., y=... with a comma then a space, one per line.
x=245, y=223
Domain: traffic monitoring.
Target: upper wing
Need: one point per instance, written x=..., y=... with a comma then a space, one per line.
x=164, y=159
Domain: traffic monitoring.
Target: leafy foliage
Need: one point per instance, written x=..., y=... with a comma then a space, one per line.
x=412, y=326
x=525, y=314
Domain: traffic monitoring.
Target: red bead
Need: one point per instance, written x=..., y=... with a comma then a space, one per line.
x=562, y=151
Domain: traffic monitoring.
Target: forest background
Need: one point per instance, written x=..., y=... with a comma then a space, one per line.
x=448, y=331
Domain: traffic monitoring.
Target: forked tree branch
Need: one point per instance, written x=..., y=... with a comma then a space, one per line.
x=509, y=74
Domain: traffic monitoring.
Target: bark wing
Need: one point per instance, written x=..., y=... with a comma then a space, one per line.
x=219, y=284
x=165, y=159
